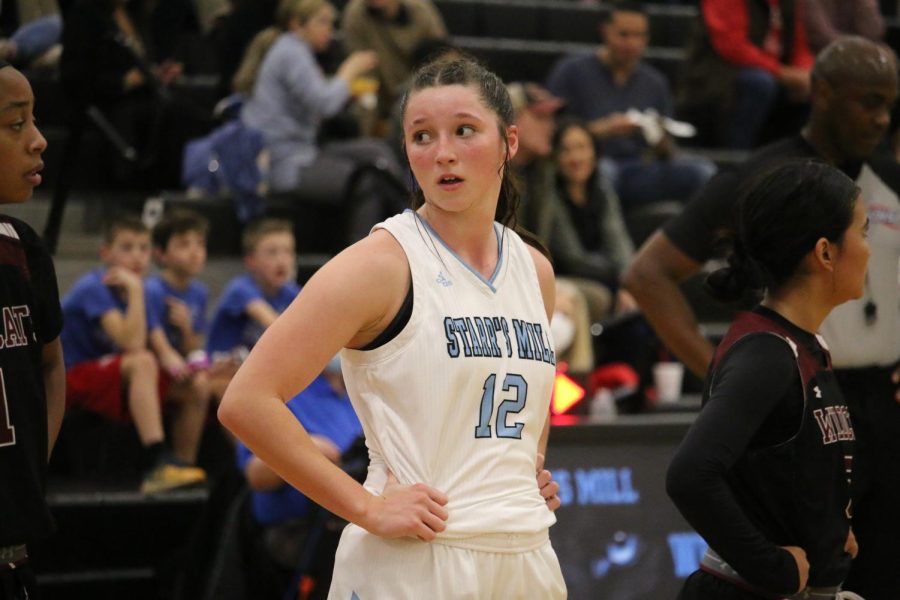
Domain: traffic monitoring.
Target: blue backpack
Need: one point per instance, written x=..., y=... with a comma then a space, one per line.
x=226, y=162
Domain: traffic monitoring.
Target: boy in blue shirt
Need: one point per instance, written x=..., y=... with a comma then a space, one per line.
x=109, y=369
x=252, y=301
x=178, y=301
x=325, y=411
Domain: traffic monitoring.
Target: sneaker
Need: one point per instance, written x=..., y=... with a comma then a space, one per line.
x=167, y=477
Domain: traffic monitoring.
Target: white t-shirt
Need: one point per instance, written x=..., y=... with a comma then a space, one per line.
x=854, y=341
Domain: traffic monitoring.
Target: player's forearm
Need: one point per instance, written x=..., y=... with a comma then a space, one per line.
x=54, y=373
x=666, y=308
x=190, y=341
x=133, y=335
x=671, y=316
x=545, y=437
x=168, y=356
x=275, y=436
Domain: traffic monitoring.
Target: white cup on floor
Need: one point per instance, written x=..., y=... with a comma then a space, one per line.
x=667, y=377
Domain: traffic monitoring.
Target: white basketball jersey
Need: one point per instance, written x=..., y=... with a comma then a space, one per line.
x=458, y=399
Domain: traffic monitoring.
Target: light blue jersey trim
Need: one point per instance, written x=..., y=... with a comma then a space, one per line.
x=488, y=282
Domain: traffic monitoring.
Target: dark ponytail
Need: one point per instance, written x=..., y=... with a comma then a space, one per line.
x=778, y=220
x=729, y=284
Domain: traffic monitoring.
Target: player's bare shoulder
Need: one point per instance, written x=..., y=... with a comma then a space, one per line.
x=366, y=282
x=376, y=259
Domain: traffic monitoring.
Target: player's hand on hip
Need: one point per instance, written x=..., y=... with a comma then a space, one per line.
x=548, y=487
x=408, y=511
x=799, y=555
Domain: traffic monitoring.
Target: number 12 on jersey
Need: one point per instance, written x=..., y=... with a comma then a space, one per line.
x=514, y=404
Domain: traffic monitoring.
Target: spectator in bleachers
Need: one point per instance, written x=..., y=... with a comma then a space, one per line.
x=393, y=29
x=107, y=64
x=31, y=32
x=540, y=208
x=284, y=514
x=571, y=328
x=854, y=87
x=211, y=14
x=591, y=207
x=749, y=62
x=828, y=19
x=244, y=20
x=109, y=369
x=534, y=116
x=161, y=23
x=179, y=301
x=602, y=87
x=290, y=98
x=252, y=301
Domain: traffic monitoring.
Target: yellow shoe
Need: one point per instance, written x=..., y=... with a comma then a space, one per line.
x=167, y=477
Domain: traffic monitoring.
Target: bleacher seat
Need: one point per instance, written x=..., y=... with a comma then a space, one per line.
x=528, y=60
x=670, y=26
x=575, y=23
x=462, y=17
x=113, y=542
x=522, y=20
x=557, y=20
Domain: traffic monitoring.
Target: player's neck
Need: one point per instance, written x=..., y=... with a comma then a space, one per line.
x=801, y=305
x=470, y=235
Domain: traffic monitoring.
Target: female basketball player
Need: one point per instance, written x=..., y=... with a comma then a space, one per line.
x=763, y=474
x=32, y=373
x=442, y=314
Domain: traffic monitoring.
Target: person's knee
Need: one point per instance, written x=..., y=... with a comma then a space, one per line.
x=200, y=389
x=141, y=361
x=757, y=84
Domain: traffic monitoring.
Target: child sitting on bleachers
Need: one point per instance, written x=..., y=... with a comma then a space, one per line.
x=110, y=370
x=252, y=301
x=178, y=302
